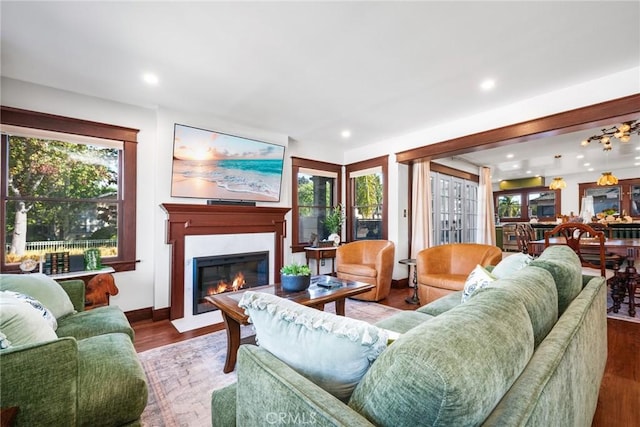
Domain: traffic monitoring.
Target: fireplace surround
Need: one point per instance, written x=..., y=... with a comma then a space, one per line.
x=199, y=220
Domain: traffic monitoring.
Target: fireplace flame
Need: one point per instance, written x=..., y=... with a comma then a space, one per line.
x=222, y=286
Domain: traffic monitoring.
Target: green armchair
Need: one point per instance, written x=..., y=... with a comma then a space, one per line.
x=89, y=375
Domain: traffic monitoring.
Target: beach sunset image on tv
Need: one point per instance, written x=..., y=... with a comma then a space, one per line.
x=217, y=166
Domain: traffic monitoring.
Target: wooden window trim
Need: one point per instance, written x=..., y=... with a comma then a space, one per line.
x=382, y=162
x=296, y=164
x=524, y=209
x=126, y=258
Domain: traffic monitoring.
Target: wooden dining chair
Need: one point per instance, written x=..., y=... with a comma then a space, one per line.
x=574, y=233
x=524, y=234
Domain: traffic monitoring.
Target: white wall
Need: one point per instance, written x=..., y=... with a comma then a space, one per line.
x=148, y=285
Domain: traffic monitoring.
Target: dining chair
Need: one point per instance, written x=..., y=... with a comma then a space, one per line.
x=574, y=233
x=524, y=234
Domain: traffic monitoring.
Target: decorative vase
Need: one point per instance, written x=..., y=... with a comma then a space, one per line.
x=294, y=283
x=335, y=238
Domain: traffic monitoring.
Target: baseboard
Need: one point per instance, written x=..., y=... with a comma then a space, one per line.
x=400, y=283
x=147, y=313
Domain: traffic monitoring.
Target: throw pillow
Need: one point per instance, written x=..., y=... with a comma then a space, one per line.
x=41, y=287
x=21, y=324
x=4, y=342
x=477, y=279
x=332, y=351
x=511, y=264
x=37, y=305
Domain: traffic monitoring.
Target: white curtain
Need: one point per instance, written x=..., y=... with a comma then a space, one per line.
x=486, y=212
x=421, y=209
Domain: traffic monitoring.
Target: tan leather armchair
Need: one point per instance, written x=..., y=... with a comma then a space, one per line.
x=444, y=269
x=367, y=261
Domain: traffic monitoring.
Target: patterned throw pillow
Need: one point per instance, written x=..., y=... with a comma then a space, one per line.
x=477, y=279
x=37, y=305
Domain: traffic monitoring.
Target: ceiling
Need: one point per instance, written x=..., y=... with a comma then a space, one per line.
x=313, y=69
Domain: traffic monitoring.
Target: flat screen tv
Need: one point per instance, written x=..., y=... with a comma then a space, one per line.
x=216, y=166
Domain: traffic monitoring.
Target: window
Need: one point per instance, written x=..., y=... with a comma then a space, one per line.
x=526, y=203
x=618, y=200
x=68, y=188
x=367, y=195
x=316, y=191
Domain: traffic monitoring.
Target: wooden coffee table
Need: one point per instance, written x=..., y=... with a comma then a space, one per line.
x=316, y=297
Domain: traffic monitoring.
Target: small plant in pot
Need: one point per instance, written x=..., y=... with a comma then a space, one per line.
x=295, y=277
x=333, y=223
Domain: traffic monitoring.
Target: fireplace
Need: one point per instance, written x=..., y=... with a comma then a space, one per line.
x=227, y=273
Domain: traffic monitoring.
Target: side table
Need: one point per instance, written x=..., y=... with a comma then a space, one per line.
x=624, y=282
x=414, y=298
x=320, y=254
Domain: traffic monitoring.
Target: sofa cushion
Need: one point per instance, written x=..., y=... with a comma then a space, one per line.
x=112, y=385
x=420, y=381
x=477, y=279
x=564, y=265
x=22, y=324
x=535, y=288
x=99, y=321
x=332, y=351
x=511, y=264
x=403, y=321
x=442, y=305
x=41, y=287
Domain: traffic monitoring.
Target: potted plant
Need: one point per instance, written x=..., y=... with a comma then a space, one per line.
x=333, y=222
x=295, y=277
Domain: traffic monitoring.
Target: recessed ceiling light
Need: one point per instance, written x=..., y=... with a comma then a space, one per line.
x=488, y=84
x=590, y=169
x=528, y=171
x=151, y=79
x=509, y=156
x=587, y=164
x=515, y=166
x=580, y=156
x=346, y=133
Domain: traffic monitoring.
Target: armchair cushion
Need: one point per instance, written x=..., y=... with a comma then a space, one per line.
x=41, y=287
x=366, y=270
x=99, y=321
x=332, y=351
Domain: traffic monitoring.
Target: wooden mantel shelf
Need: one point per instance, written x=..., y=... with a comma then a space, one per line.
x=191, y=220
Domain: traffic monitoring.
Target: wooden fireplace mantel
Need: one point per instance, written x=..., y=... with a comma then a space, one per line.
x=191, y=220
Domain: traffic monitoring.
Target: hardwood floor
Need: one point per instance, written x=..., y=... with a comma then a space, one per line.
x=618, y=401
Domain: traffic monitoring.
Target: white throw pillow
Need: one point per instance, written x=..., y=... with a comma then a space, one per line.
x=21, y=324
x=511, y=264
x=332, y=351
x=37, y=305
x=477, y=279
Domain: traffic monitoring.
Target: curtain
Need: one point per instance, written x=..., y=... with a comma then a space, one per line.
x=486, y=213
x=421, y=206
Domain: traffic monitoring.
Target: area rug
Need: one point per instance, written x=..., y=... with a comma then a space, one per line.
x=623, y=313
x=181, y=376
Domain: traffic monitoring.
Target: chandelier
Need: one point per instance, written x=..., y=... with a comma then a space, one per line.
x=622, y=132
x=607, y=178
x=557, y=184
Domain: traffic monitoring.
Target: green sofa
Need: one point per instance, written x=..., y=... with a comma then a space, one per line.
x=529, y=349
x=86, y=374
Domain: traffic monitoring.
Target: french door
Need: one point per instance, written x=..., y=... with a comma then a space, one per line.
x=454, y=209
